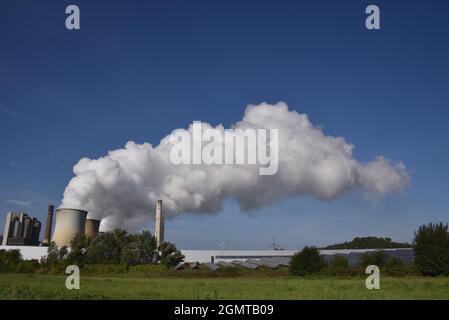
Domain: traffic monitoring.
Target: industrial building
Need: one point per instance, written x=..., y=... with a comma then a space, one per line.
x=20, y=230
x=352, y=255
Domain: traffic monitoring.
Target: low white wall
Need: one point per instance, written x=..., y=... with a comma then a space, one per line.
x=28, y=252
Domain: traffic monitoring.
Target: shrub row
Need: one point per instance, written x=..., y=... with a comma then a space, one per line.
x=309, y=262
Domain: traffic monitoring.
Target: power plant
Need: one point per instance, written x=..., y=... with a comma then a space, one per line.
x=21, y=230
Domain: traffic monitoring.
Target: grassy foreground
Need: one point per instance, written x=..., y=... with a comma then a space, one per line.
x=34, y=286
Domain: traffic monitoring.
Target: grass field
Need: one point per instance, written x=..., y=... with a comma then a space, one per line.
x=33, y=286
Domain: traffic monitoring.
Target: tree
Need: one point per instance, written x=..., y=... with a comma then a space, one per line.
x=9, y=260
x=79, y=247
x=306, y=262
x=338, y=262
x=376, y=258
x=338, y=265
x=108, y=247
x=170, y=256
x=431, y=245
x=54, y=254
x=395, y=267
x=141, y=249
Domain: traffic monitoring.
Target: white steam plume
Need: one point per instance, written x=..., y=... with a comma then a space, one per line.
x=124, y=185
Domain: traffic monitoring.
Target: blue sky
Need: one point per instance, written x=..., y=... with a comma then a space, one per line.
x=137, y=70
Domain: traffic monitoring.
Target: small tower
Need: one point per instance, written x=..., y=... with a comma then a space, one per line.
x=159, y=225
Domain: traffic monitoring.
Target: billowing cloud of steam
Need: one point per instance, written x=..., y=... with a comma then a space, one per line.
x=124, y=185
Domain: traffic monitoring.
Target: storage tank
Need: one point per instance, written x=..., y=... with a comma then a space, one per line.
x=92, y=227
x=69, y=222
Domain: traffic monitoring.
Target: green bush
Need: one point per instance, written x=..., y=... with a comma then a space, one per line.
x=431, y=245
x=338, y=266
x=118, y=246
x=396, y=268
x=27, y=266
x=306, y=262
x=142, y=249
x=104, y=269
x=170, y=255
x=108, y=247
x=54, y=256
x=377, y=258
x=338, y=262
x=9, y=260
x=147, y=269
x=78, y=249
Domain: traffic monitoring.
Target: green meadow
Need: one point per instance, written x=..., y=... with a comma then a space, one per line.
x=47, y=286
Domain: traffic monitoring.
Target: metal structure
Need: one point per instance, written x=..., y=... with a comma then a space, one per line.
x=92, y=227
x=69, y=222
x=274, y=246
x=47, y=234
x=160, y=222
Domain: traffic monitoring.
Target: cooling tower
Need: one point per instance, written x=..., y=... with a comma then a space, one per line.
x=159, y=225
x=47, y=234
x=92, y=227
x=69, y=222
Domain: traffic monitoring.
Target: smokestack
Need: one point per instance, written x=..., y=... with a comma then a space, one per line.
x=47, y=234
x=160, y=221
x=92, y=227
x=69, y=222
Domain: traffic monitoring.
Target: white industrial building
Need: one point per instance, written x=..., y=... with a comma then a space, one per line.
x=204, y=256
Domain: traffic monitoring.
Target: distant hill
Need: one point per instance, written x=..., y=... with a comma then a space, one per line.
x=369, y=243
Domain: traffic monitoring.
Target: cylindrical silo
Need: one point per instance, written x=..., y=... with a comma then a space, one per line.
x=92, y=227
x=69, y=222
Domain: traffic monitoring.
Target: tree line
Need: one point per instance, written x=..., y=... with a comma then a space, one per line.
x=431, y=249
x=115, y=247
x=369, y=243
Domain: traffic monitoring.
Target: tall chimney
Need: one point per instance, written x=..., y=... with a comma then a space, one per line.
x=47, y=234
x=160, y=221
